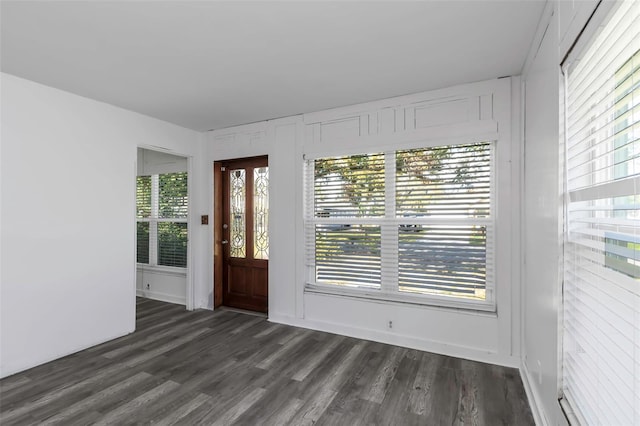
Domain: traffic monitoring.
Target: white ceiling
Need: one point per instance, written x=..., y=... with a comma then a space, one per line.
x=208, y=65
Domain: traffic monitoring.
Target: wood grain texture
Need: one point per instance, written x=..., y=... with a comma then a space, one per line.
x=227, y=367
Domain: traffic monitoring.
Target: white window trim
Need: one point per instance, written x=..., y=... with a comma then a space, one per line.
x=388, y=291
x=153, y=221
x=398, y=297
x=587, y=193
x=165, y=270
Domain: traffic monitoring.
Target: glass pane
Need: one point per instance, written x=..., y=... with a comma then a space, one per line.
x=350, y=186
x=173, y=200
x=448, y=181
x=261, y=213
x=142, y=238
x=348, y=255
x=172, y=244
x=143, y=197
x=237, y=191
x=447, y=260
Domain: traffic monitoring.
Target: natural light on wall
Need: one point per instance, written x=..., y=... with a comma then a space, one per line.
x=601, y=339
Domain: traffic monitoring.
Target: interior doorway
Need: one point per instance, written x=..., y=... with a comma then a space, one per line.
x=241, y=226
x=162, y=227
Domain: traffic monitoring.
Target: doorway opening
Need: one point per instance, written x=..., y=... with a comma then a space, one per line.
x=162, y=227
x=241, y=233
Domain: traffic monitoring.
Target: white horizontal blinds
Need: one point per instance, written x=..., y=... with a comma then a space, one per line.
x=389, y=229
x=348, y=255
x=172, y=219
x=446, y=182
x=345, y=188
x=601, y=362
x=172, y=199
x=143, y=212
x=161, y=211
x=411, y=222
x=142, y=242
x=448, y=260
x=143, y=197
x=444, y=194
x=309, y=222
x=172, y=244
x=351, y=186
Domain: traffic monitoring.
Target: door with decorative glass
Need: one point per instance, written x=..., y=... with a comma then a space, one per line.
x=245, y=233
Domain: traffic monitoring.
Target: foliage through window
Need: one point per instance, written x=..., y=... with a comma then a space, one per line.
x=162, y=207
x=411, y=222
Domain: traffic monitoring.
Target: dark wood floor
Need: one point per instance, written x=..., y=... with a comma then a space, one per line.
x=226, y=367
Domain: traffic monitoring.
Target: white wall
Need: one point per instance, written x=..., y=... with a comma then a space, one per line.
x=479, y=111
x=542, y=222
x=68, y=219
x=277, y=139
x=162, y=284
x=156, y=162
x=542, y=213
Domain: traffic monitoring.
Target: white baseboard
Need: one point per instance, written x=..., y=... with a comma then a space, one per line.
x=15, y=369
x=400, y=340
x=532, y=396
x=163, y=297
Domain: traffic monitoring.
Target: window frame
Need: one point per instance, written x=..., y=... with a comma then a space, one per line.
x=590, y=192
x=389, y=291
x=154, y=219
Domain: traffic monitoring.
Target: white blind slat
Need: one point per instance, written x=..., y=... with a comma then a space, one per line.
x=601, y=292
x=161, y=210
x=411, y=221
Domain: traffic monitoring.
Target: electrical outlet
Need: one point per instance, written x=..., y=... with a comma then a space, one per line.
x=148, y=286
x=390, y=324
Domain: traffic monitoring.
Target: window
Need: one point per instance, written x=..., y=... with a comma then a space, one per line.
x=162, y=207
x=601, y=337
x=403, y=225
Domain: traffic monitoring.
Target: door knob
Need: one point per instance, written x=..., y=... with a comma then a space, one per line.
x=225, y=242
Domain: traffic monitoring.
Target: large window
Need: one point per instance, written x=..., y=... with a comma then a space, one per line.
x=408, y=225
x=601, y=339
x=162, y=219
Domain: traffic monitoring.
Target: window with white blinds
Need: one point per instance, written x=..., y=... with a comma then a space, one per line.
x=143, y=213
x=161, y=208
x=409, y=224
x=601, y=292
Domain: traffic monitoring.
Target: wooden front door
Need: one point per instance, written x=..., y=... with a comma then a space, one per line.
x=245, y=238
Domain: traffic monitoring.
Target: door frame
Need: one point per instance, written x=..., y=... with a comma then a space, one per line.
x=218, y=255
x=190, y=281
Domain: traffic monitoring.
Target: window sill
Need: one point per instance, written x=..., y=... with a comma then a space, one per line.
x=165, y=270
x=469, y=307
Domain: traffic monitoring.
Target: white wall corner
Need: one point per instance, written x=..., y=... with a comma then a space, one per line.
x=543, y=26
x=106, y=263
x=517, y=161
x=535, y=403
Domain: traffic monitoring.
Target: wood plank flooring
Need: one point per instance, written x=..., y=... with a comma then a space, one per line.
x=222, y=367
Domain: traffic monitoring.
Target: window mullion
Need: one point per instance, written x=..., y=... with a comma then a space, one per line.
x=153, y=221
x=309, y=225
x=389, y=229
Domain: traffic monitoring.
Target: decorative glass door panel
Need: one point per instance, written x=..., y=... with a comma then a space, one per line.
x=245, y=232
x=237, y=202
x=261, y=213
